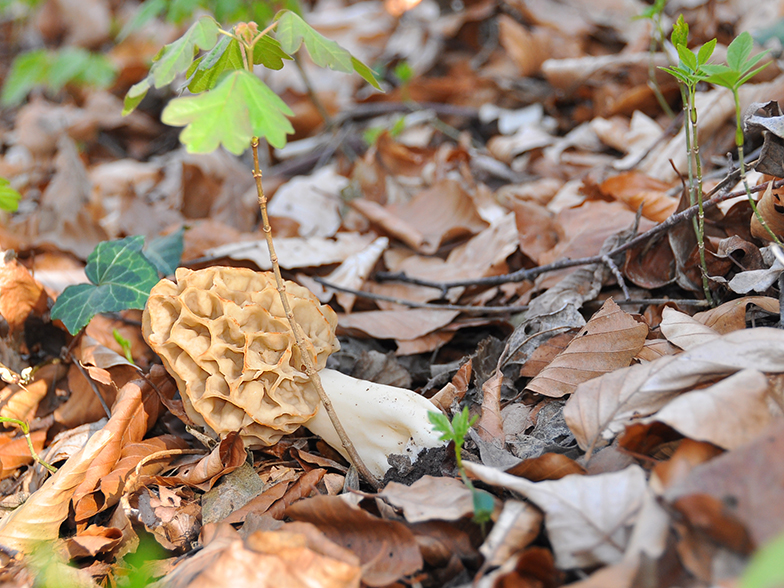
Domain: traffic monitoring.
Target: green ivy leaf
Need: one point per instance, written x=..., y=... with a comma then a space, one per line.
x=27, y=71
x=177, y=56
x=9, y=198
x=739, y=50
x=269, y=53
x=135, y=95
x=121, y=278
x=165, y=252
x=292, y=31
x=239, y=107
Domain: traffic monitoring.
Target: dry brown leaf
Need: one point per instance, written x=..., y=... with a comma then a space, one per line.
x=601, y=407
x=20, y=402
x=92, y=541
x=609, y=341
x=527, y=50
x=430, y=498
x=397, y=324
x=536, y=229
x=226, y=457
x=490, y=426
x=135, y=412
x=687, y=456
x=517, y=526
x=655, y=349
x=749, y=481
x=548, y=466
x=15, y=453
x=727, y=414
x=387, y=550
x=683, y=330
x=20, y=293
x=259, y=505
x=39, y=518
x=731, y=316
x=546, y=353
x=304, y=486
x=636, y=189
x=585, y=516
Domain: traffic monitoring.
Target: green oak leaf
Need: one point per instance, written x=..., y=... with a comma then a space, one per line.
x=165, y=252
x=238, y=108
x=292, y=31
x=121, y=278
x=177, y=56
x=9, y=198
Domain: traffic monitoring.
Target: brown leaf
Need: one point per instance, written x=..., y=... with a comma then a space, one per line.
x=727, y=414
x=548, y=466
x=387, y=549
x=20, y=294
x=226, y=457
x=397, y=324
x=517, y=526
x=609, y=341
x=546, y=353
x=585, y=516
x=302, y=488
x=39, y=518
x=771, y=209
x=635, y=189
x=261, y=504
x=15, y=453
x=491, y=425
x=683, y=330
x=731, y=316
x=20, y=402
x=430, y=498
x=92, y=541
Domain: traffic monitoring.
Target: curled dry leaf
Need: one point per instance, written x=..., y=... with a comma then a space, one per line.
x=731, y=316
x=226, y=457
x=727, y=414
x=20, y=293
x=586, y=516
x=683, y=330
x=600, y=408
x=609, y=341
x=39, y=518
x=771, y=209
x=387, y=550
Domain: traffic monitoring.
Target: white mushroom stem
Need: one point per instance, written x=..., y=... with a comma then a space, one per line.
x=380, y=420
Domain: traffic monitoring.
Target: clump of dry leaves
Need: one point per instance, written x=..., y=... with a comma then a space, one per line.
x=630, y=434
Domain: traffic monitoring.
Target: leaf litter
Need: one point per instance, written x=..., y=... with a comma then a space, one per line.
x=479, y=224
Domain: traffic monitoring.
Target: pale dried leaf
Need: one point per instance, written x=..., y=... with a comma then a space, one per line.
x=430, y=498
x=684, y=331
x=517, y=526
x=585, y=516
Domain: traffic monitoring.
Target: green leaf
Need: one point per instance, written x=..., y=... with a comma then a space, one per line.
x=292, y=31
x=135, y=95
x=366, y=73
x=751, y=74
x=705, y=52
x=678, y=74
x=67, y=63
x=739, y=50
x=177, y=56
x=765, y=569
x=484, y=504
x=239, y=107
x=688, y=59
x=269, y=53
x=680, y=32
x=9, y=198
x=211, y=67
x=146, y=12
x=442, y=425
x=121, y=278
x=99, y=72
x=124, y=344
x=27, y=71
x=165, y=252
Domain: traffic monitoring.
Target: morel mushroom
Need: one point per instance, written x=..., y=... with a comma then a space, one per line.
x=224, y=337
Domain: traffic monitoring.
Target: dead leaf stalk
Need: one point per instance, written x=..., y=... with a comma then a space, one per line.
x=303, y=343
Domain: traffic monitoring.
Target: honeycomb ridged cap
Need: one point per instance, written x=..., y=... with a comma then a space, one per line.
x=222, y=333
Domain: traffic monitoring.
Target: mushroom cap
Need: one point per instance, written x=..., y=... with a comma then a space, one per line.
x=223, y=335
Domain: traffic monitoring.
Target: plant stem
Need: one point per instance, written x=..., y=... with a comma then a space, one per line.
x=695, y=181
x=304, y=345
x=26, y=432
x=656, y=36
x=739, y=142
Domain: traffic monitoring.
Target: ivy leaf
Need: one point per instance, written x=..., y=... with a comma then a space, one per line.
x=239, y=107
x=292, y=31
x=121, y=278
x=9, y=198
x=177, y=56
x=27, y=71
x=165, y=252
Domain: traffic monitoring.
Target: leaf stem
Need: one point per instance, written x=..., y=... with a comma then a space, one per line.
x=26, y=432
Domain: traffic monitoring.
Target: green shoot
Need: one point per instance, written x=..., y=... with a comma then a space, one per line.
x=740, y=68
x=690, y=71
x=26, y=432
x=456, y=432
x=124, y=344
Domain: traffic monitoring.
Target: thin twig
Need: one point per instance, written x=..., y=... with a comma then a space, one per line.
x=303, y=343
x=530, y=274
